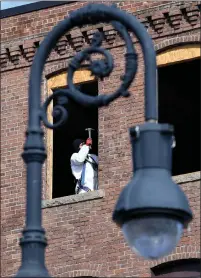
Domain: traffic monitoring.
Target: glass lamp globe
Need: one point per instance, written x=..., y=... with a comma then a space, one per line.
x=152, y=237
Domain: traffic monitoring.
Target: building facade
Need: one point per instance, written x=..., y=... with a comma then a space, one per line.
x=83, y=240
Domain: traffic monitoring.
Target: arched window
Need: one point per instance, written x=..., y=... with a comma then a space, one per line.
x=179, y=104
x=182, y=268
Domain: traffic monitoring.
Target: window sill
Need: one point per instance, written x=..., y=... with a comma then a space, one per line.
x=195, y=176
x=98, y=194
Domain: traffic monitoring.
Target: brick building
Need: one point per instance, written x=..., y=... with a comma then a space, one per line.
x=83, y=241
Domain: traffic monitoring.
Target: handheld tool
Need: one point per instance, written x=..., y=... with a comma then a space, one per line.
x=89, y=129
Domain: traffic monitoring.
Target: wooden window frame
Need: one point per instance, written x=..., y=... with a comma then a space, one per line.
x=55, y=82
x=178, y=54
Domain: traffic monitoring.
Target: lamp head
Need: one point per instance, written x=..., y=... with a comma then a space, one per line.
x=152, y=210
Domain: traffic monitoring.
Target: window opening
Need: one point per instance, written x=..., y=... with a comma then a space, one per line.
x=79, y=118
x=181, y=268
x=179, y=105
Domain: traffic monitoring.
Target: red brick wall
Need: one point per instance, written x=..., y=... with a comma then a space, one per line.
x=82, y=238
x=42, y=21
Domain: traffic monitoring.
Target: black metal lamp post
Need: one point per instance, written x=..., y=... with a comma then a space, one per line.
x=152, y=210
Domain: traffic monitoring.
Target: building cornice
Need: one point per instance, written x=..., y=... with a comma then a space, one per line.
x=167, y=21
x=39, y=5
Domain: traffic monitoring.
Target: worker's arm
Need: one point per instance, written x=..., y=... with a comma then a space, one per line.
x=79, y=158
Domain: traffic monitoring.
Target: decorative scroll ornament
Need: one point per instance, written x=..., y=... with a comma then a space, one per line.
x=100, y=69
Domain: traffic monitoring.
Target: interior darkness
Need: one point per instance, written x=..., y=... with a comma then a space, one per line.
x=179, y=105
x=180, y=268
x=79, y=118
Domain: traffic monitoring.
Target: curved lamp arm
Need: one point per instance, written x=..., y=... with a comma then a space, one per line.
x=94, y=13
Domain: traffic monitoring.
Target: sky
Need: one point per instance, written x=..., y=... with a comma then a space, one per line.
x=13, y=3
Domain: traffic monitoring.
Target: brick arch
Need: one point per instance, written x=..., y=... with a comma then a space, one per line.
x=181, y=252
x=89, y=271
x=55, y=68
x=169, y=269
x=176, y=41
x=179, y=52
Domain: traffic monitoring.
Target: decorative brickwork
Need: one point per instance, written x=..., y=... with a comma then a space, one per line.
x=181, y=40
x=82, y=238
x=22, y=53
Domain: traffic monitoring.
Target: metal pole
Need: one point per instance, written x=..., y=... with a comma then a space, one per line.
x=34, y=242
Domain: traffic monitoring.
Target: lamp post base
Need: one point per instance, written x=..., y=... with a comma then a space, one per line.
x=33, y=245
x=31, y=269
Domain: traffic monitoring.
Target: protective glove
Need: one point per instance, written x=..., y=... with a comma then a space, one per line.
x=89, y=142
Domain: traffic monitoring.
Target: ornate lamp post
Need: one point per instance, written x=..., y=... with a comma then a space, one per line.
x=152, y=210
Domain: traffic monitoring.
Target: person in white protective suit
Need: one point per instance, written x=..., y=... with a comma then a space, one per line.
x=84, y=166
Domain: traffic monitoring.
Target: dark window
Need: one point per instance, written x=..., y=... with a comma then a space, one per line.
x=182, y=268
x=79, y=118
x=179, y=105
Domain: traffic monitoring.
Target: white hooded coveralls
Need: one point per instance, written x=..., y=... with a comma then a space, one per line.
x=77, y=165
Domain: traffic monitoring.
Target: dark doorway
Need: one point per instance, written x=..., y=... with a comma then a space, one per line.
x=179, y=105
x=79, y=118
x=181, y=268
